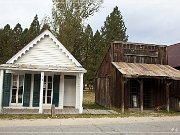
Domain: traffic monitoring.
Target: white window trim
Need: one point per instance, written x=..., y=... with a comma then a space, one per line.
x=16, y=104
x=48, y=104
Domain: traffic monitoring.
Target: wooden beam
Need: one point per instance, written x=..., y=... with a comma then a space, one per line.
x=122, y=95
x=141, y=95
x=167, y=97
x=168, y=83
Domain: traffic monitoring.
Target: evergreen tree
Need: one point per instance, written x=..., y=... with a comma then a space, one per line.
x=114, y=28
x=17, y=37
x=34, y=29
x=88, y=54
x=7, y=43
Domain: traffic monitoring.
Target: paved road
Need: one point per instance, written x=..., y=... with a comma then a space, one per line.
x=146, y=125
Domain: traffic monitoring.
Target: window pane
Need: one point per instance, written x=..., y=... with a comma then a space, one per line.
x=15, y=77
x=15, y=84
x=14, y=92
x=43, y=99
x=48, y=100
x=49, y=78
x=19, y=98
x=49, y=85
x=49, y=93
x=21, y=78
x=44, y=92
x=44, y=78
x=13, y=100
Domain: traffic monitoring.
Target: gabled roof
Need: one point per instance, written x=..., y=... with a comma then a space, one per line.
x=174, y=55
x=135, y=70
x=35, y=41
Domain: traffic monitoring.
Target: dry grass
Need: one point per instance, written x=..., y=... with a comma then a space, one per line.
x=89, y=101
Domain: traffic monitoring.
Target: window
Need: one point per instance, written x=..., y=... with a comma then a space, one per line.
x=47, y=89
x=17, y=89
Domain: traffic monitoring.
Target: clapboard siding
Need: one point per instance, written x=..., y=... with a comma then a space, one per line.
x=45, y=52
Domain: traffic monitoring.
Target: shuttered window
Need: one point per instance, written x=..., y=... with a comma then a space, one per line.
x=27, y=88
x=56, y=82
x=6, y=89
x=36, y=92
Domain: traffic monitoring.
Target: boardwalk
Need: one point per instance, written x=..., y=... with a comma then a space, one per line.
x=57, y=111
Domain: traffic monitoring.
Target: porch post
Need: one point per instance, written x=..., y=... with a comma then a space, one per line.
x=77, y=91
x=167, y=97
x=32, y=88
x=81, y=93
x=141, y=95
x=122, y=95
x=41, y=93
x=1, y=88
x=61, y=91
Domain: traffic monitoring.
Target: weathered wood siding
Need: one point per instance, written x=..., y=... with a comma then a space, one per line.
x=108, y=79
x=139, y=53
x=45, y=52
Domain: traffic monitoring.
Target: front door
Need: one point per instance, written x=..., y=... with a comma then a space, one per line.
x=17, y=90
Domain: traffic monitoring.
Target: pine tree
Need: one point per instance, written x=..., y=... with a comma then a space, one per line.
x=114, y=28
x=34, y=29
x=17, y=37
x=88, y=54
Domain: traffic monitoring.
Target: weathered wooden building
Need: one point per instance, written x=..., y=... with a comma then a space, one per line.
x=174, y=61
x=135, y=76
x=41, y=74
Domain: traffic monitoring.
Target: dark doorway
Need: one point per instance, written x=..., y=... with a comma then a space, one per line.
x=134, y=94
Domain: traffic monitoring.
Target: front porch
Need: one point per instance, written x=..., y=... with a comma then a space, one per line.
x=33, y=92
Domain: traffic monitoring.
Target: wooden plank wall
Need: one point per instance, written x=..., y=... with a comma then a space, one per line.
x=108, y=83
x=149, y=54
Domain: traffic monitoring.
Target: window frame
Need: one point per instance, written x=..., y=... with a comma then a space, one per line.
x=17, y=90
x=46, y=83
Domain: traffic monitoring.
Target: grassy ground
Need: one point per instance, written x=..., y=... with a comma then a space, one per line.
x=89, y=103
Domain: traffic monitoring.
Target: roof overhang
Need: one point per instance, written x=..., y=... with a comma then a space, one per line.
x=141, y=70
x=44, y=68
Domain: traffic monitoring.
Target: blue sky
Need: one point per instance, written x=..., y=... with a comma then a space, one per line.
x=147, y=21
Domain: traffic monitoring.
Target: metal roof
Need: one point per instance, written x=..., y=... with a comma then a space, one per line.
x=174, y=55
x=48, y=68
x=133, y=70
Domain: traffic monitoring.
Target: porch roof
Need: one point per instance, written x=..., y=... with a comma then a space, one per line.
x=47, y=68
x=134, y=70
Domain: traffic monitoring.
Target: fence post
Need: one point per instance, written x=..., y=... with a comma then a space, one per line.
x=53, y=110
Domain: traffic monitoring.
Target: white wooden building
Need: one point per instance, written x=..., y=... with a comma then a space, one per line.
x=41, y=74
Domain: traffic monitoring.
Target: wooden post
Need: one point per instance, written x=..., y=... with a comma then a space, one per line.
x=61, y=92
x=1, y=88
x=41, y=93
x=167, y=94
x=122, y=95
x=141, y=95
x=167, y=97
x=32, y=88
x=53, y=110
x=81, y=93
